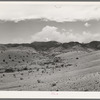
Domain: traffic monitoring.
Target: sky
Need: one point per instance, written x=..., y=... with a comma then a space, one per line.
x=26, y=22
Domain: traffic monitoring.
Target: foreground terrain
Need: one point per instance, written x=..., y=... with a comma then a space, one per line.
x=56, y=69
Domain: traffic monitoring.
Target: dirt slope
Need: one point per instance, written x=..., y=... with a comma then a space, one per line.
x=71, y=71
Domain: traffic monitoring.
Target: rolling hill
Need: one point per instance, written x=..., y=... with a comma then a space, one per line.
x=50, y=66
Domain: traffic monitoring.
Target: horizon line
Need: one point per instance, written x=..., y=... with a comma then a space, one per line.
x=51, y=41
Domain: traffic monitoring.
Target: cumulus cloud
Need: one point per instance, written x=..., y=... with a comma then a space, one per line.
x=57, y=11
x=50, y=33
x=86, y=24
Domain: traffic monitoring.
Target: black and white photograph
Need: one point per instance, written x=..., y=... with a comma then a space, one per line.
x=50, y=46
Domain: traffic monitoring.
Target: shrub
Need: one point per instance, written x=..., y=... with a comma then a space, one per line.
x=26, y=55
x=86, y=90
x=25, y=68
x=53, y=63
x=21, y=73
x=19, y=62
x=6, y=62
x=62, y=65
x=12, y=60
x=69, y=65
x=3, y=74
x=14, y=75
x=37, y=69
x=42, y=71
x=23, y=60
x=30, y=69
x=9, y=57
x=3, y=60
x=9, y=70
x=47, y=67
x=18, y=70
x=56, y=66
x=38, y=81
x=56, y=60
x=53, y=84
x=21, y=78
x=77, y=58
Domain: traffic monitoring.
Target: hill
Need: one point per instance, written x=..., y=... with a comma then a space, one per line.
x=50, y=66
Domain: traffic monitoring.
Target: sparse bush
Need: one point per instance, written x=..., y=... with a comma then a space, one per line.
x=14, y=75
x=19, y=62
x=9, y=70
x=30, y=71
x=38, y=81
x=23, y=60
x=53, y=84
x=47, y=67
x=56, y=60
x=42, y=71
x=21, y=73
x=9, y=57
x=53, y=63
x=3, y=74
x=37, y=69
x=69, y=65
x=21, y=78
x=6, y=62
x=77, y=58
x=86, y=90
x=26, y=55
x=25, y=68
x=3, y=60
x=18, y=70
x=62, y=65
x=56, y=66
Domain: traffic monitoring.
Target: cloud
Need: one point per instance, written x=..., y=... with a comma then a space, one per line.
x=57, y=11
x=87, y=37
x=86, y=24
x=47, y=33
x=50, y=33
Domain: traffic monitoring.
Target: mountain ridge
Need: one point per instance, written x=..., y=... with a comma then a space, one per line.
x=54, y=44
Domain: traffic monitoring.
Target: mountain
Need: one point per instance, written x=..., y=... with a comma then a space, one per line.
x=45, y=45
x=94, y=45
x=50, y=45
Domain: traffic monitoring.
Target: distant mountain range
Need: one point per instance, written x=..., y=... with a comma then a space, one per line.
x=43, y=46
